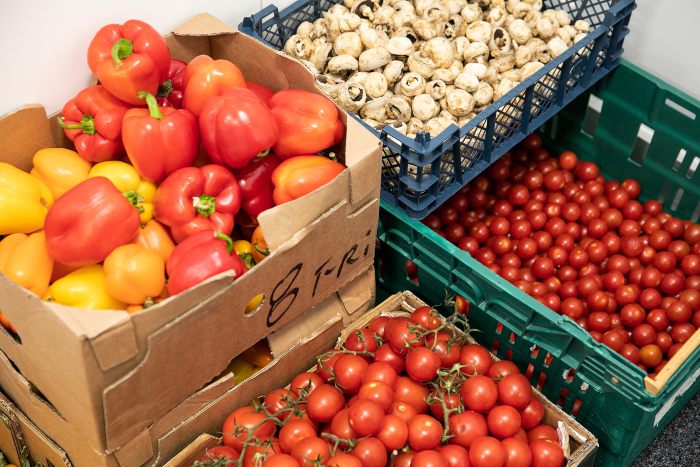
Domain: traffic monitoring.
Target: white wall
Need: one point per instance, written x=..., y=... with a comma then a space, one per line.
x=44, y=42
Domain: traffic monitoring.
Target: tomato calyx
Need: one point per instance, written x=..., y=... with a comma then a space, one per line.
x=347, y=443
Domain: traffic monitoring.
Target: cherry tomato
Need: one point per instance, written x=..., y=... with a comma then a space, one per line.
x=281, y=460
x=679, y=312
x=310, y=451
x=486, y=451
x=403, y=410
x=546, y=453
x=349, y=370
x=455, y=455
x=305, y=382
x=503, y=421
x=404, y=459
x=386, y=354
x=293, y=432
x=221, y=452
x=411, y=392
x=402, y=337
x=429, y=459
x=340, y=426
x=448, y=352
x=476, y=359
x=371, y=452
x=479, y=393
x=240, y=421
x=650, y=355
x=501, y=369
x=533, y=414
x=542, y=432
x=361, y=340
x=422, y=364
x=343, y=460
x=380, y=371
x=324, y=369
x=366, y=416
x=324, y=402
x=424, y=432
x=393, y=432
x=518, y=453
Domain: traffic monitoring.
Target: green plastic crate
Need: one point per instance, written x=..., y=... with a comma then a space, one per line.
x=570, y=367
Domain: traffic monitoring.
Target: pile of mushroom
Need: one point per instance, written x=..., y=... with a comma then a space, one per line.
x=421, y=65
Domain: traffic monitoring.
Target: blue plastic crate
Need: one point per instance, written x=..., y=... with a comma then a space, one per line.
x=420, y=174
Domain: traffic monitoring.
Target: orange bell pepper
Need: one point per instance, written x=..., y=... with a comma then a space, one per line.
x=24, y=260
x=205, y=77
x=134, y=274
x=260, y=250
x=300, y=175
x=153, y=236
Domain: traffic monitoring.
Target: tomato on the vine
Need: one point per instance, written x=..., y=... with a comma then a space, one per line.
x=281, y=460
x=349, y=370
x=310, y=451
x=393, y=433
x=515, y=390
x=503, y=421
x=361, y=340
x=294, y=431
x=366, y=416
x=424, y=432
x=238, y=424
x=305, y=382
x=476, y=360
x=466, y=427
x=343, y=460
x=487, y=451
x=412, y=393
x=379, y=392
x=371, y=452
x=455, y=455
x=427, y=317
x=380, y=371
x=324, y=402
x=532, y=414
x=422, y=364
x=518, y=453
x=546, y=453
x=479, y=393
x=428, y=459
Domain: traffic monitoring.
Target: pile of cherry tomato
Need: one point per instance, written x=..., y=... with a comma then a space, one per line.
x=625, y=271
x=407, y=390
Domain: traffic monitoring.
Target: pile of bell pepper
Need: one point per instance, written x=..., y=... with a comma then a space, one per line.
x=169, y=158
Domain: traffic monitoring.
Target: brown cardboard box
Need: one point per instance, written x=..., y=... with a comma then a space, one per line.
x=109, y=375
x=579, y=444
x=201, y=412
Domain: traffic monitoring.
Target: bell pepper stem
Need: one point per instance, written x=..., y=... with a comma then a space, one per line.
x=165, y=88
x=227, y=239
x=136, y=199
x=120, y=50
x=247, y=259
x=265, y=252
x=205, y=205
x=87, y=125
x=263, y=153
x=152, y=103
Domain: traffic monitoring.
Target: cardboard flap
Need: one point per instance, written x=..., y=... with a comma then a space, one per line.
x=11, y=441
x=115, y=346
x=358, y=293
x=137, y=451
x=194, y=451
x=281, y=223
x=42, y=449
x=204, y=24
x=23, y=132
x=363, y=154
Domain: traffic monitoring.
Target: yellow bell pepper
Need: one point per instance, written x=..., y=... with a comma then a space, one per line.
x=127, y=180
x=60, y=169
x=242, y=370
x=134, y=274
x=24, y=201
x=24, y=260
x=84, y=288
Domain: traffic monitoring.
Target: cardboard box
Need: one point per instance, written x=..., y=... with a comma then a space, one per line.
x=199, y=413
x=109, y=375
x=579, y=444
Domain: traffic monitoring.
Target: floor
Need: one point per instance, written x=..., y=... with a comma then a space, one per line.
x=679, y=443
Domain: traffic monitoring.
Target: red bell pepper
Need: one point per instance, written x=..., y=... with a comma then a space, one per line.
x=193, y=199
x=255, y=180
x=236, y=127
x=300, y=175
x=200, y=257
x=161, y=140
x=89, y=221
x=260, y=90
x=129, y=58
x=93, y=121
x=308, y=123
x=205, y=77
x=170, y=90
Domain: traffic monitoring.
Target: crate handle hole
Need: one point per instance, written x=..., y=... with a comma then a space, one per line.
x=696, y=214
x=548, y=359
x=693, y=168
x=255, y=304
x=680, y=109
x=679, y=159
x=641, y=145
x=677, y=199
x=592, y=116
x=540, y=380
